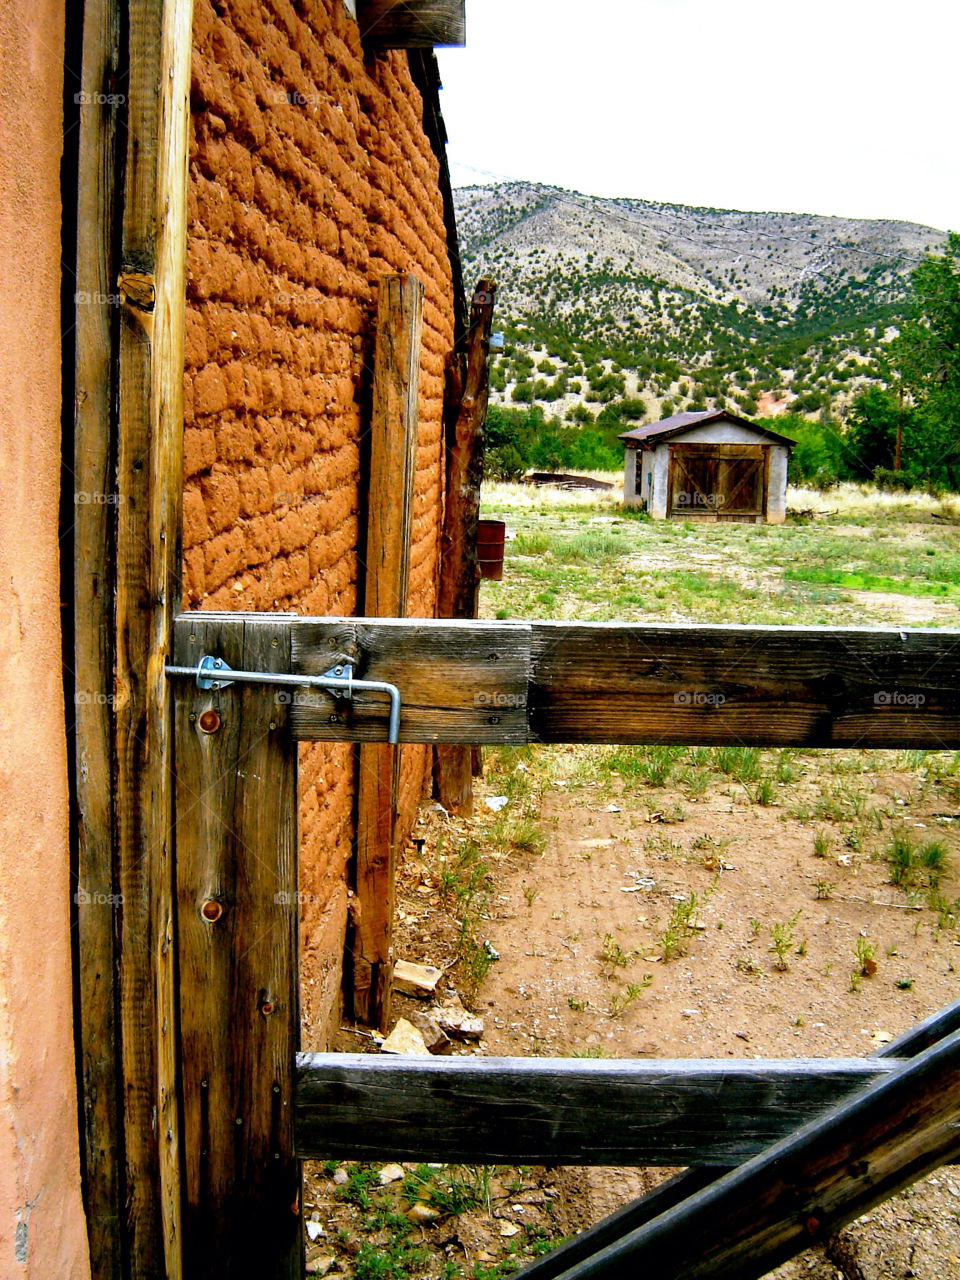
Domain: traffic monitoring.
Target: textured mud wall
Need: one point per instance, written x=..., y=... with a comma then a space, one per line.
x=42, y=1231
x=310, y=176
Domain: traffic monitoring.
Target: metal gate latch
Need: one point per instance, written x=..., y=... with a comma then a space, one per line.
x=214, y=673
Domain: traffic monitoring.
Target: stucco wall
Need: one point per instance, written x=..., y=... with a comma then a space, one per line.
x=310, y=176
x=777, y=491
x=42, y=1231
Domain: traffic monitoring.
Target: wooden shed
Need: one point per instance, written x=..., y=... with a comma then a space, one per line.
x=712, y=465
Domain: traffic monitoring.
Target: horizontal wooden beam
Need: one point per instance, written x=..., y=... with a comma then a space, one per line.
x=805, y=1188
x=512, y=682
x=411, y=24
x=668, y=1195
x=562, y=1110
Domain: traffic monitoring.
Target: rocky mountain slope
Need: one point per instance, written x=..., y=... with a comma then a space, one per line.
x=688, y=306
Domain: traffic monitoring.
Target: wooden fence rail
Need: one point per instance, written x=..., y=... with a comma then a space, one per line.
x=562, y=1110
x=503, y=682
x=802, y=1190
x=670, y=1194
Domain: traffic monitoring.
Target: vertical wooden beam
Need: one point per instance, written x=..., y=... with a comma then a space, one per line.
x=237, y=915
x=93, y=665
x=393, y=449
x=465, y=415
x=152, y=289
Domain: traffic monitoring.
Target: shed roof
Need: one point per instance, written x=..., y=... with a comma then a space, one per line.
x=681, y=422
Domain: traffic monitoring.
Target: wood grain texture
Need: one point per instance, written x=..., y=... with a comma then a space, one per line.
x=465, y=418
x=147, y=347
x=452, y=691
x=803, y=1189
x=93, y=662
x=238, y=945
x=677, y=1189
x=488, y=682
x=559, y=1110
x=411, y=24
x=392, y=471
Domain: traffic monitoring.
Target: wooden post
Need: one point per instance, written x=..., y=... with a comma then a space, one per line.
x=465, y=416
x=129, y=430
x=393, y=446
x=237, y=911
x=152, y=287
x=93, y=663
x=411, y=24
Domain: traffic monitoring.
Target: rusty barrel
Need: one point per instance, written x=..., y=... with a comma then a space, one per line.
x=491, y=535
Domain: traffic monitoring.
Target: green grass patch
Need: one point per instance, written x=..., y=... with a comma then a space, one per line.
x=873, y=582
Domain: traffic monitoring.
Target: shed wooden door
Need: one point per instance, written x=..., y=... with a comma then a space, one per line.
x=718, y=481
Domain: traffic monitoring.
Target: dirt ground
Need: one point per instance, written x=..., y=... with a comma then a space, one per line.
x=601, y=951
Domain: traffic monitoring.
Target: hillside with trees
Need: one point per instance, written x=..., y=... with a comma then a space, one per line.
x=622, y=311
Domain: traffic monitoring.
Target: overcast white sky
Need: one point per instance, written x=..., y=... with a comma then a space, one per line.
x=845, y=107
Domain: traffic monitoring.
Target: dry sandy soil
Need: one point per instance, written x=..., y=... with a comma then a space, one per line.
x=578, y=925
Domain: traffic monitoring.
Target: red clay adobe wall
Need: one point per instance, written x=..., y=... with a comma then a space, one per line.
x=310, y=176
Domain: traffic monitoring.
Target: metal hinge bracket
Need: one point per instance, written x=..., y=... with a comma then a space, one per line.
x=213, y=674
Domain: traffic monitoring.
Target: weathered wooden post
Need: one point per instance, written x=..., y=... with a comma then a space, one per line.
x=465, y=417
x=393, y=460
x=237, y=913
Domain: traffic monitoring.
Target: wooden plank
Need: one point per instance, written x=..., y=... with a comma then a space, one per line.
x=487, y=682
x=149, y=346
x=393, y=451
x=671, y=1193
x=237, y=908
x=465, y=418
x=93, y=661
x=411, y=24
x=449, y=694
x=561, y=1110
x=804, y=1189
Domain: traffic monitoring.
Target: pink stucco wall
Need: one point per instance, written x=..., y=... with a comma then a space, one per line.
x=42, y=1230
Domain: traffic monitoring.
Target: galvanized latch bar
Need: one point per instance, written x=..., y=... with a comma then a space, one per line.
x=214, y=673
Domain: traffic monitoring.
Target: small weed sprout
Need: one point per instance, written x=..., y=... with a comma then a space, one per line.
x=680, y=926
x=824, y=888
x=621, y=1000
x=765, y=793
x=821, y=844
x=781, y=939
x=747, y=964
x=612, y=956
x=866, y=956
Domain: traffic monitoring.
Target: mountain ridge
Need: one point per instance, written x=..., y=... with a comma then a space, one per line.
x=746, y=308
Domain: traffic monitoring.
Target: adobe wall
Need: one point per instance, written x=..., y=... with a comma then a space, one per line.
x=310, y=176
x=42, y=1230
